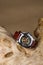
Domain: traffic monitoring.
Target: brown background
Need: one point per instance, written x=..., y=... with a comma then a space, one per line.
x=20, y=14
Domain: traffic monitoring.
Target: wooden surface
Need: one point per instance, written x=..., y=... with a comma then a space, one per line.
x=20, y=14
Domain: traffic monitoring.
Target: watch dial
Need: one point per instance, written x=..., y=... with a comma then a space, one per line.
x=25, y=41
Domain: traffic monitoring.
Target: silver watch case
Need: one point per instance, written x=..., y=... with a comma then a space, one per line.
x=28, y=35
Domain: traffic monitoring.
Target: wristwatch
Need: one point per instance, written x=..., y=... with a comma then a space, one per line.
x=25, y=39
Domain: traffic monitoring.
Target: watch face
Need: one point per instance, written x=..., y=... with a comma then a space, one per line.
x=25, y=41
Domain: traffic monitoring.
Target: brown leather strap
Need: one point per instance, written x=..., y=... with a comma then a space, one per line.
x=16, y=35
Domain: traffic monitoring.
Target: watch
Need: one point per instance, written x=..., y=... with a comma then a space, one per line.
x=25, y=39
